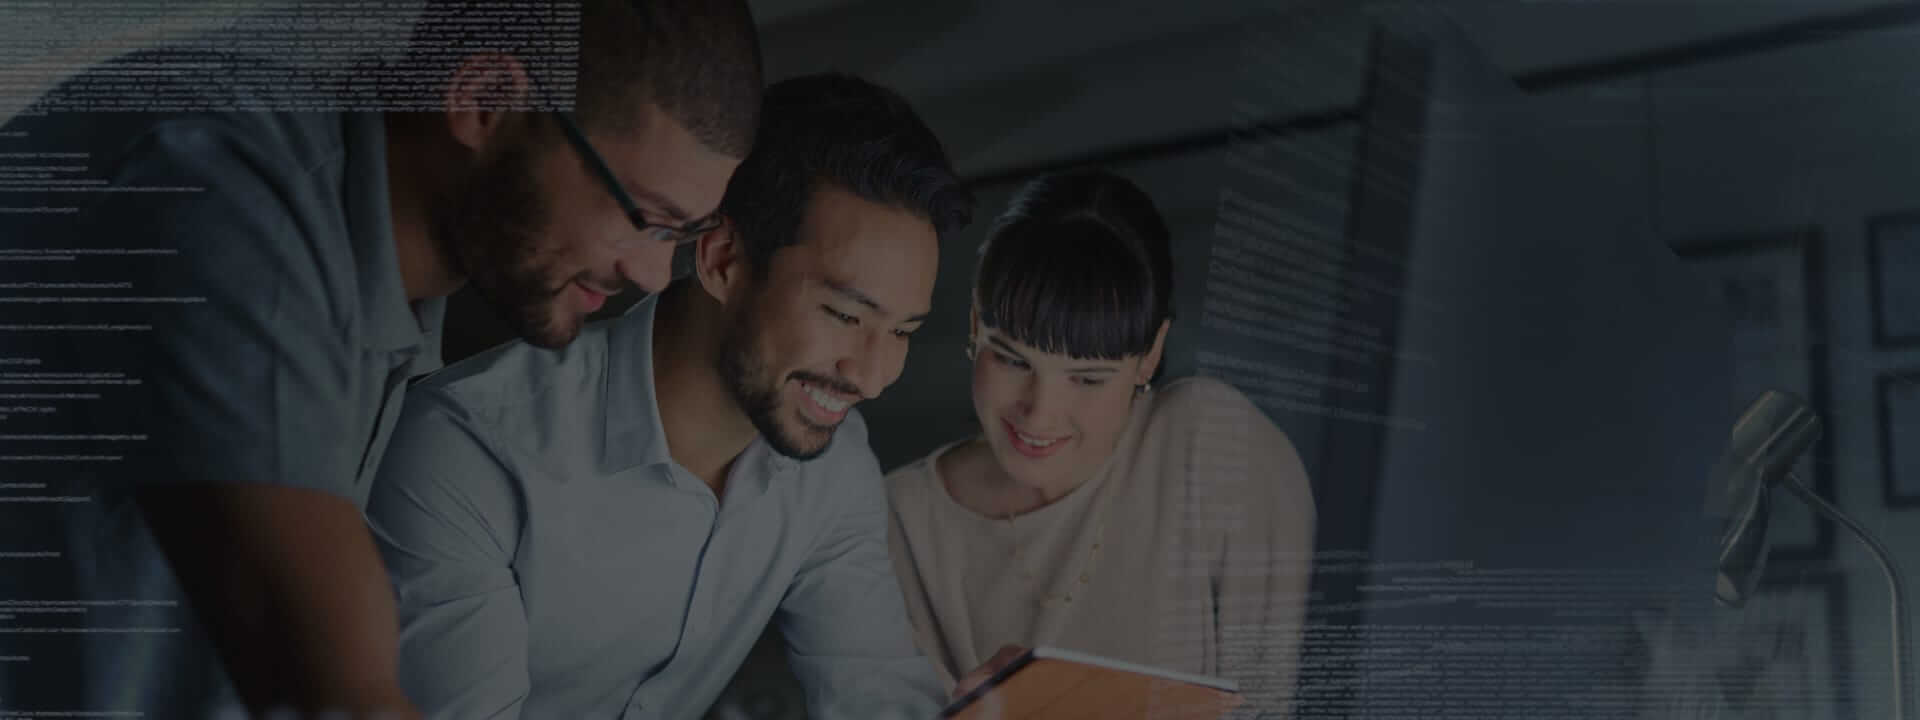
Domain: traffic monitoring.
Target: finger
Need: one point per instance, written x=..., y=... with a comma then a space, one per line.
x=1007, y=654
x=1010, y=651
x=1000, y=659
x=970, y=681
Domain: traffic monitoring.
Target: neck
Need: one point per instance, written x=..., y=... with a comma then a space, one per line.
x=412, y=187
x=979, y=483
x=705, y=427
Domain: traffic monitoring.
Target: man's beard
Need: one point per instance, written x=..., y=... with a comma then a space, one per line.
x=491, y=232
x=745, y=373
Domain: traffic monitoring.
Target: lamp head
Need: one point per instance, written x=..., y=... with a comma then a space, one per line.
x=1766, y=442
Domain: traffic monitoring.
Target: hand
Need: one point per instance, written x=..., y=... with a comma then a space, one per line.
x=973, y=679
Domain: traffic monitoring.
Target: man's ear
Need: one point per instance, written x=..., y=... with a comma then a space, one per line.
x=1152, y=361
x=720, y=262
x=483, y=90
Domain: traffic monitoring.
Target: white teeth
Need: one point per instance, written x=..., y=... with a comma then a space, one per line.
x=1030, y=440
x=829, y=402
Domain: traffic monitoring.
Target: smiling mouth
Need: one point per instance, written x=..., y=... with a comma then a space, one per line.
x=1033, y=446
x=826, y=407
x=1034, y=441
x=594, y=299
x=827, y=401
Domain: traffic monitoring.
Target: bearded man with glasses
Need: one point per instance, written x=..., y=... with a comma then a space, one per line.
x=222, y=547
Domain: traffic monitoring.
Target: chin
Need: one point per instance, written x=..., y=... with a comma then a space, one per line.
x=555, y=329
x=796, y=438
x=549, y=338
x=1025, y=471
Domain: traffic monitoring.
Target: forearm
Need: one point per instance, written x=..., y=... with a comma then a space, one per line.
x=292, y=591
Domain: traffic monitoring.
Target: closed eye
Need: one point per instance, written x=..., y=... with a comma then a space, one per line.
x=842, y=317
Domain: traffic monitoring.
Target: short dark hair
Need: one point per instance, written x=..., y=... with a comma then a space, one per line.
x=698, y=60
x=1080, y=263
x=838, y=129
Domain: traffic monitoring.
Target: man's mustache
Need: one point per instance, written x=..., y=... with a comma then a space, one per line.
x=834, y=384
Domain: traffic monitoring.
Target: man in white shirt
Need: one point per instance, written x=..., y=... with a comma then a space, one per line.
x=605, y=530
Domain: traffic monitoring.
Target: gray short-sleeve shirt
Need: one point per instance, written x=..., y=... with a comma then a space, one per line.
x=256, y=331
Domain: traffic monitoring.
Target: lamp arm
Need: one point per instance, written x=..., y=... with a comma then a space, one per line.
x=1898, y=604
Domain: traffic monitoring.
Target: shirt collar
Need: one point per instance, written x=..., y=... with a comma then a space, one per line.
x=390, y=321
x=755, y=470
x=634, y=435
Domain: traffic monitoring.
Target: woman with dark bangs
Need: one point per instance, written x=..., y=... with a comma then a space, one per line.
x=1094, y=512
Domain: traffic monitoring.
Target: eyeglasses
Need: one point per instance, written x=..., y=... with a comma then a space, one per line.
x=674, y=235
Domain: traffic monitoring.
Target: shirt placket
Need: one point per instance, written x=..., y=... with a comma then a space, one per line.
x=699, y=610
x=393, y=387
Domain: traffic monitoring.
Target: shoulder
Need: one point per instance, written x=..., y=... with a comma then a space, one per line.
x=521, y=391
x=1209, y=417
x=473, y=416
x=244, y=208
x=1246, y=447
x=219, y=145
x=1198, y=399
x=440, y=484
x=207, y=113
x=910, y=483
x=508, y=374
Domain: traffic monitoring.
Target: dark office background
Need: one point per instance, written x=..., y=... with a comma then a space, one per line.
x=1586, y=233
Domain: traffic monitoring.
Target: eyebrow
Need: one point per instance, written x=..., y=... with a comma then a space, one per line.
x=855, y=295
x=996, y=341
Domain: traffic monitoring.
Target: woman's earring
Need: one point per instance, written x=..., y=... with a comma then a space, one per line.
x=970, y=348
x=1143, y=388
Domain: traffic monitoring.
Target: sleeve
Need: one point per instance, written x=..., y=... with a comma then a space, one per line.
x=848, y=638
x=1266, y=557
x=447, y=520
x=244, y=374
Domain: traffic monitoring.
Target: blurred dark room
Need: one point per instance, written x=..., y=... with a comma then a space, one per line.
x=1506, y=273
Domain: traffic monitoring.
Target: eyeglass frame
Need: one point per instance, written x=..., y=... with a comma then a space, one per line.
x=678, y=235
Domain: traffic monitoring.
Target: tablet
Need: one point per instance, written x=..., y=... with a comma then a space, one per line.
x=1059, y=684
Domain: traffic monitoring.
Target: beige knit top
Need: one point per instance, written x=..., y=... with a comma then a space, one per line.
x=1190, y=550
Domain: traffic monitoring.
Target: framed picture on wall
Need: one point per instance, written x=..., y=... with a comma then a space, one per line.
x=1769, y=288
x=1897, y=405
x=1893, y=274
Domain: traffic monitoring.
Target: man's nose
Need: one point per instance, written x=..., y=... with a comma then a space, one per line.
x=874, y=364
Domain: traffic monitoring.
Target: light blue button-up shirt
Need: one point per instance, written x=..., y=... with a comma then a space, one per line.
x=552, y=560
